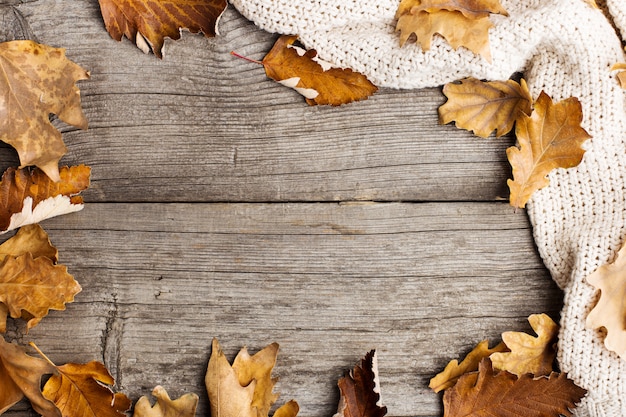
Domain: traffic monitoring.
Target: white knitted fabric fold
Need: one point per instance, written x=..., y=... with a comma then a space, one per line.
x=565, y=48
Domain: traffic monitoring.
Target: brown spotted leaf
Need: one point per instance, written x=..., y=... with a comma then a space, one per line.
x=504, y=394
x=550, y=138
x=148, y=22
x=184, y=406
x=36, y=81
x=360, y=390
x=314, y=79
x=28, y=196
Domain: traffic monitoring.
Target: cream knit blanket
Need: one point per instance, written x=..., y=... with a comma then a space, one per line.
x=565, y=48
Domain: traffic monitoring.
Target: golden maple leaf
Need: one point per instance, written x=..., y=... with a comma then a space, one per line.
x=528, y=354
x=185, y=406
x=483, y=107
x=550, y=138
x=610, y=310
x=38, y=80
x=148, y=23
x=360, y=390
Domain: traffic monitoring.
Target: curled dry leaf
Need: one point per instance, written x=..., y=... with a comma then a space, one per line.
x=454, y=370
x=31, y=238
x=314, y=79
x=185, y=406
x=483, y=107
x=360, y=390
x=148, y=23
x=610, y=311
x=28, y=196
x=620, y=67
x=38, y=80
x=550, y=138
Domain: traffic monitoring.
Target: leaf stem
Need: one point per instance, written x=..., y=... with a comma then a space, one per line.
x=233, y=53
x=34, y=346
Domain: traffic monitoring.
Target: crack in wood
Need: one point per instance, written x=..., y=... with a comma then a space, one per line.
x=13, y=24
x=111, y=342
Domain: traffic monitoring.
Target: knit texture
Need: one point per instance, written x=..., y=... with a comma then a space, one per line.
x=565, y=48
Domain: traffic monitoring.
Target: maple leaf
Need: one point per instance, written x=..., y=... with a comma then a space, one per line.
x=550, y=138
x=504, y=394
x=360, y=390
x=148, y=22
x=610, y=310
x=316, y=80
x=469, y=8
x=483, y=107
x=621, y=74
x=28, y=196
x=184, y=406
x=38, y=80
x=20, y=375
x=454, y=370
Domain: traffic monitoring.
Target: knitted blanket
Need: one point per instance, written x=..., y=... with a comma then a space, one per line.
x=564, y=47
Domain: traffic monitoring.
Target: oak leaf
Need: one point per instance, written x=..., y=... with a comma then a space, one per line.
x=483, y=107
x=38, y=80
x=360, y=390
x=184, y=406
x=28, y=196
x=454, y=370
x=550, y=138
x=316, y=80
x=506, y=395
x=610, y=311
x=148, y=23
x=30, y=238
x=20, y=375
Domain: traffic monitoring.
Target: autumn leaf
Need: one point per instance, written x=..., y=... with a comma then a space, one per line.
x=20, y=375
x=610, y=311
x=148, y=23
x=360, y=390
x=38, y=80
x=184, y=406
x=504, y=394
x=550, y=138
x=454, y=370
x=28, y=196
x=316, y=80
x=620, y=67
x=469, y=8
x=483, y=107
x=31, y=238
x=258, y=368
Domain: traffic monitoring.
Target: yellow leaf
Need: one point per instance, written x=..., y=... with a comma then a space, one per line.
x=36, y=81
x=469, y=8
x=483, y=107
x=550, y=138
x=529, y=355
x=31, y=238
x=258, y=368
x=184, y=406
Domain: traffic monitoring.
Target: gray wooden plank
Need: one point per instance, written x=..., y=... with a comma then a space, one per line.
x=422, y=283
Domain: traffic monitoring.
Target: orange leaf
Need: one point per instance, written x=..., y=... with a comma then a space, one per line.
x=184, y=406
x=360, y=390
x=314, y=79
x=504, y=394
x=148, y=23
x=550, y=138
x=31, y=238
x=483, y=107
x=620, y=67
x=36, y=81
x=27, y=196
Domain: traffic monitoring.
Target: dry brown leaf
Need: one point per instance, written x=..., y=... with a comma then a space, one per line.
x=504, y=394
x=185, y=406
x=28, y=196
x=469, y=8
x=529, y=355
x=20, y=375
x=620, y=67
x=36, y=81
x=592, y=3
x=314, y=79
x=610, y=311
x=360, y=390
x=31, y=238
x=258, y=368
x=483, y=107
x=550, y=138
x=148, y=23
x=454, y=370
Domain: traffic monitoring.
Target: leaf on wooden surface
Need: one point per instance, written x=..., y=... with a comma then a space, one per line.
x=258, y=368
x=148, y=23
x=483, y=107
x=28, y=196
x=20, y=375
x=461, y=22
x=185, y=406
x=316, y=80
x=38, y=80
x=610, y=311
x=360, y=390
x=550, y=138
x=620, y=67
x=505, y=394
x=31, y=238
x=529, y=354
x=454, y=370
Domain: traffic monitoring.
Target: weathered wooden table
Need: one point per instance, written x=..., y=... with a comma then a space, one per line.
x=222, y=205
